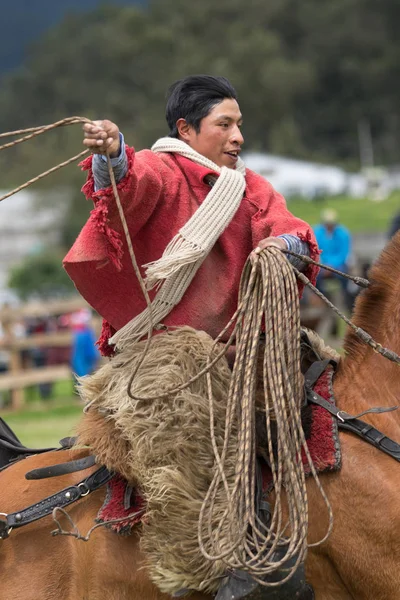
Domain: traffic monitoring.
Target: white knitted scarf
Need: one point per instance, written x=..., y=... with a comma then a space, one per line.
x=184, y=254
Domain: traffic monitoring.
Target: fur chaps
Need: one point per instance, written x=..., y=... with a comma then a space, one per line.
x=163, y=446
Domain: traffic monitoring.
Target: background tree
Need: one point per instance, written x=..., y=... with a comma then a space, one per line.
x=41, y=276
x=307, y=73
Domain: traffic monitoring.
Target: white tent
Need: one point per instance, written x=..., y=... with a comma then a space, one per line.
x=301, y=178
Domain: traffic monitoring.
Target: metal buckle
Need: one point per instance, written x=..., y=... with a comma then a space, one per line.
x=339, y=416
x=85, y=487
x=6, y=531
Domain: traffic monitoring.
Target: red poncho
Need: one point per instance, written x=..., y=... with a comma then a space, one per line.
x=159, y=194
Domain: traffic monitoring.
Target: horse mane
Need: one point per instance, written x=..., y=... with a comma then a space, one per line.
x=377, y=305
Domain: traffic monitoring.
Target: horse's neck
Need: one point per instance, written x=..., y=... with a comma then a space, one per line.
x=366, y=380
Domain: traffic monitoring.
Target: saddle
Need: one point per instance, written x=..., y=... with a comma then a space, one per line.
x=12, y=449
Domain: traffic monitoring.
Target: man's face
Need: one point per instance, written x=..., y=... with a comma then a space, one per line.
x=219, y=138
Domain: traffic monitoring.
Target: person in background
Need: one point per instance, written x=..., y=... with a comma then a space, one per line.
x=59, y=355
x=39, y=354
x=334, y=241
x=5, y=397
x=84, y=356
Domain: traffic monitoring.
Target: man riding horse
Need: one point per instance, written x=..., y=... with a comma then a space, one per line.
x=194, y=215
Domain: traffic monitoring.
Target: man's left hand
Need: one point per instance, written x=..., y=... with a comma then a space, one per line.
x=266, y=243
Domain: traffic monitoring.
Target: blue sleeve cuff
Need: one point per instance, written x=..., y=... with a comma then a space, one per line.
x=117, y=159
x=100, y=167
x=295, y=244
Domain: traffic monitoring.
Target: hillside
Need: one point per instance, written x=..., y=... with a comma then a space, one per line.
x=25, y=21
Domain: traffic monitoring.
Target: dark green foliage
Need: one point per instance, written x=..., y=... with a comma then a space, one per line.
x=306, y=72
x=26, y=21
x=41, y=276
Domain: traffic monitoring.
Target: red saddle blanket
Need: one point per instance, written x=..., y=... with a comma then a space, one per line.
x=126, y=504
x=322, y=435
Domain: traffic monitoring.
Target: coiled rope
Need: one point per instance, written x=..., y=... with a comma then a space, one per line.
x=268, y=294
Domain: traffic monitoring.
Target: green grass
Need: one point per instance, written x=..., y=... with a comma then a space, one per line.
x=43, y=423
x=60, y=390
x=359, y=215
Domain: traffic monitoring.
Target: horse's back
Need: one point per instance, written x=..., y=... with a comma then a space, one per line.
x=15, y=488
x=34, y=564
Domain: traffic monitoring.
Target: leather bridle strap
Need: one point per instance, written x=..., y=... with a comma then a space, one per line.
x=45, y=507
x=342, y=415
x=372, y=436
x=366, y=432
x=348, y=422
x=315, y=371
x=59, y=469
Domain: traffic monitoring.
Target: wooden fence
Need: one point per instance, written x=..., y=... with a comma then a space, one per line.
x=18, y=376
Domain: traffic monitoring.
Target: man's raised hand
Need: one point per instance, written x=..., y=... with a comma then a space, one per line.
x=102, y=136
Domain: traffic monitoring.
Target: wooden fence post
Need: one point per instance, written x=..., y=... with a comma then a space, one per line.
x=17, y=394
x=20, y=376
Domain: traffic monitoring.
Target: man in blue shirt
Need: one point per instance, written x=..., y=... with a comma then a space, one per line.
x=85, y=355
x=334, y=241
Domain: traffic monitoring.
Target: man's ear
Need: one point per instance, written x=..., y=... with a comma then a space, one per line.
x=184, y=130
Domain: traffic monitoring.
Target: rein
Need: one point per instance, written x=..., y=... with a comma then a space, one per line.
x=361, y=282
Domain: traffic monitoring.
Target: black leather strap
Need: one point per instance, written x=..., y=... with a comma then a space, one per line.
x=19, y=448
x=352, y=423
x=71, y=466
x=11, y=449
x=372, y=436
x=342, y=415
x=315, y=371
x=9, y=441
x=60, y=499
x=67, y=442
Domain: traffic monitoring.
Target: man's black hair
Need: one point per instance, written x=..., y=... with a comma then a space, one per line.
x=193, y=97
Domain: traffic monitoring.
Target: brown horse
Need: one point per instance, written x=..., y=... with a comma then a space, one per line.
x=360, y=559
